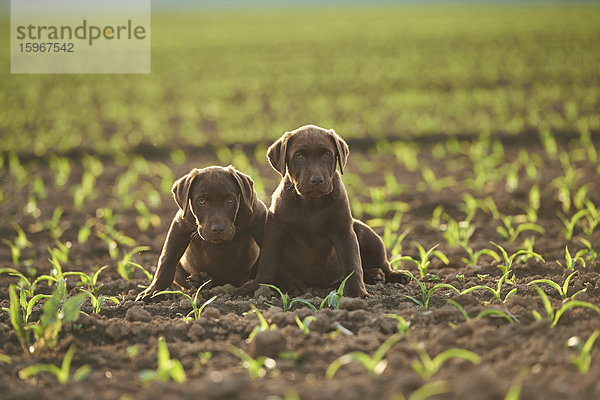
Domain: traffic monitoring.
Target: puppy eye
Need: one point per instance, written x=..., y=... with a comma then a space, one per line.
x=299, y=156
x=230, y=200
x=202, y=202
x=327, y=154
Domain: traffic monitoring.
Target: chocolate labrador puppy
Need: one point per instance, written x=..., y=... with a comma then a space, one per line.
x=311, y=238
x=217, y=230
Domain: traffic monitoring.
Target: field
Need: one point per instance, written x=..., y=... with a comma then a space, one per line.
x=474, y=135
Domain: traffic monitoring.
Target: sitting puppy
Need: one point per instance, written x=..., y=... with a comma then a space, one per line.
x=217, y=230
x=311, y=238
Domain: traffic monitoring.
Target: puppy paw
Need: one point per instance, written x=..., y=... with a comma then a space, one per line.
x=247, y=289
x=146, y=295
x=398, y=277
x=373, y=276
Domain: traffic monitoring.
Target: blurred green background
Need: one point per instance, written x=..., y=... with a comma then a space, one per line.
x=246, y=75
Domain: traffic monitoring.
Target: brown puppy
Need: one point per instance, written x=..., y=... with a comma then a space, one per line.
x=217, y=230
x=311, y=238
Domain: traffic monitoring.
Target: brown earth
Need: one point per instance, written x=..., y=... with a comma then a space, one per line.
x=526, y=350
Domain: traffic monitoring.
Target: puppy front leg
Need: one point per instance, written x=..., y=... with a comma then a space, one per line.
x=348, y=253
x=176, y=243
x=268, y=259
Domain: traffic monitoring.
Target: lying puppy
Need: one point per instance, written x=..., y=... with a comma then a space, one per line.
x=217, y=230
x=311, y=238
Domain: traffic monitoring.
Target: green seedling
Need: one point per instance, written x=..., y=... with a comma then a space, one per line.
x=571, y=262
x=286, y=303
x=56, y=272
x=592, y=219
x=125, y=267
x=145, y=219
x=62, y=374
x=18, y=170
x=57, y=311
x=403, y=325
x=85, y=231
x=497, y=292
x=61, y=251
x=457, y=233
x=514, y=391
x=62, y=170
x=553, y=316
x=167, y=368
x=334, y=297
x=16, y=319
x=436, y=217
x=21, y=242
x=583, y=359
x=534, y=204
x=53, y=224
x=27, y=286
x=392, y=185
x=304, y=324
x=406, y=153
x=86, y=190
x=263, y=325
x=375, y=364
x=113, y=249
x=589, y=252
x=511, y=233
x=562, y=290
x=132, y=351
x=380, y=205
x=204, y=357
x=391, y=239
x=426, y=391
x=528, y=244
x=473, y=256
x=433, y=183
x=512, y=177
x=471, y=204
x=91, y=281
x=257, y=367
x=196, y=310
x=566, y=185
x=426, y=367
x=424, y=260
x=587, y=143
x=98, y=301
x=580, y=197
x=570, y=223
x=549, y=143
x=484, y=313
x=5, y=359
x=509, y=260
x=425, y=293
x=26, y=306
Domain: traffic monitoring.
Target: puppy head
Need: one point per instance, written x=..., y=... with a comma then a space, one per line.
x=308, y=155
x=214, y=196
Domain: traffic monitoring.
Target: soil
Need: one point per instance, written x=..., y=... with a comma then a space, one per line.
x=527, y=351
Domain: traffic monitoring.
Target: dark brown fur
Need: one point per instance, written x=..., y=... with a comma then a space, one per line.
x=217, y=230
x=311, y=238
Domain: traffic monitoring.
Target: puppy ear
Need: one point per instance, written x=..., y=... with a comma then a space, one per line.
x=277, y=153
x=246, y=185
x=342, y=150
x=181, y=189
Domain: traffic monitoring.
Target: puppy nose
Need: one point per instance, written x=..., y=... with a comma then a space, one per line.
x=316, y=180
x=217, y=228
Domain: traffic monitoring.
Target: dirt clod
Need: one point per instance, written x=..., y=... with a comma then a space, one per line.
x=352, y=303
x=268, y=343
x=137, y=313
